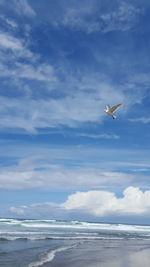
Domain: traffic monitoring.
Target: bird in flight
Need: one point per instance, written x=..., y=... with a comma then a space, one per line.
x=109, y=110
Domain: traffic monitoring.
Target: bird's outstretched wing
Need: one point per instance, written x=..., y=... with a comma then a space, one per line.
x=112, y=109
x=108, y=106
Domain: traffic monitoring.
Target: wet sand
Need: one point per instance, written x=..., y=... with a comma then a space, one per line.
x=104, y=253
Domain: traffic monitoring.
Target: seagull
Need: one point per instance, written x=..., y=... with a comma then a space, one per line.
x=109, y=110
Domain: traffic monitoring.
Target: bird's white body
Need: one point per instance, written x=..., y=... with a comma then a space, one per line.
x=109, y=110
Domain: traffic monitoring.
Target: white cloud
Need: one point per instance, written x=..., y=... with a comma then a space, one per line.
x=74, y=109
x=134, y=202
x=140, y=78
x=9, y=42
x=42, y=72
x=91, y=17
x=33, y=173
x=101, y=203
x=17, y=49
x=9, y=22
x=23, y=64
x=82, y=100
x=39, y=210
x=22, y=7
x=79, y=18
x=99, y=136
x=18, y=211
x=142, y=119
x=122, y=19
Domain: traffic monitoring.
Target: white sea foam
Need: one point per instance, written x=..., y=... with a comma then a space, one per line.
x=10, y=221
x=24, y=233
x=143, y=237
x=91, y=226
x=73, y=225
x=48, y=257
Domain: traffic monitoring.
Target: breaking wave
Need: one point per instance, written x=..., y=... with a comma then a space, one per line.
x=72, y=224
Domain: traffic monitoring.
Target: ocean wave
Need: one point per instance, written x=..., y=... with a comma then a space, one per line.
x=12, y=238
x=47, y=257
x=92, y=226
x=73, y=225
x=87, y=237
x=57, y=238
x=10, y=221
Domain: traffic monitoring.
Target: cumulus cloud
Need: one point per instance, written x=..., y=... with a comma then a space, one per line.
x=101, y=203
x=134, y=202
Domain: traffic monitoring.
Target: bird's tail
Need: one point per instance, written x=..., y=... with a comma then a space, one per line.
x=114, y=116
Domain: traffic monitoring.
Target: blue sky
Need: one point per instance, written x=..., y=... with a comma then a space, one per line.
x=61, y=156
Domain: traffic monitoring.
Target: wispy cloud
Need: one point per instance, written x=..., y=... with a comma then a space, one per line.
x=16, y=48
x=122, y=19
x=9, y=42
x=90, y=18
x=42, y=72
x=73, y=109
x=22, y=7
x=22, y=64
x=37, y=210
x=99, y=136
x=53, y=176
x=82, y=96
x=8, y=22
x=82, y=99
x=142, y=120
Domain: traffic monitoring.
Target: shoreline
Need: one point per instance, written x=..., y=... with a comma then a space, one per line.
x=129, y=253
x=51, y=243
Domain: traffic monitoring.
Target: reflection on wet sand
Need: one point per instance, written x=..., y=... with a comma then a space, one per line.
x=133, y=259
x=140, y=258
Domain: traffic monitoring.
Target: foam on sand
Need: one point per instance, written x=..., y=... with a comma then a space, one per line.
x=47, y=257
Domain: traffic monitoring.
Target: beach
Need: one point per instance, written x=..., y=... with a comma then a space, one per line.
x=50, y=243
x=105, y=254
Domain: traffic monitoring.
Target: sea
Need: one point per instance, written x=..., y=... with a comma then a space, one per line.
x=30, y=243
